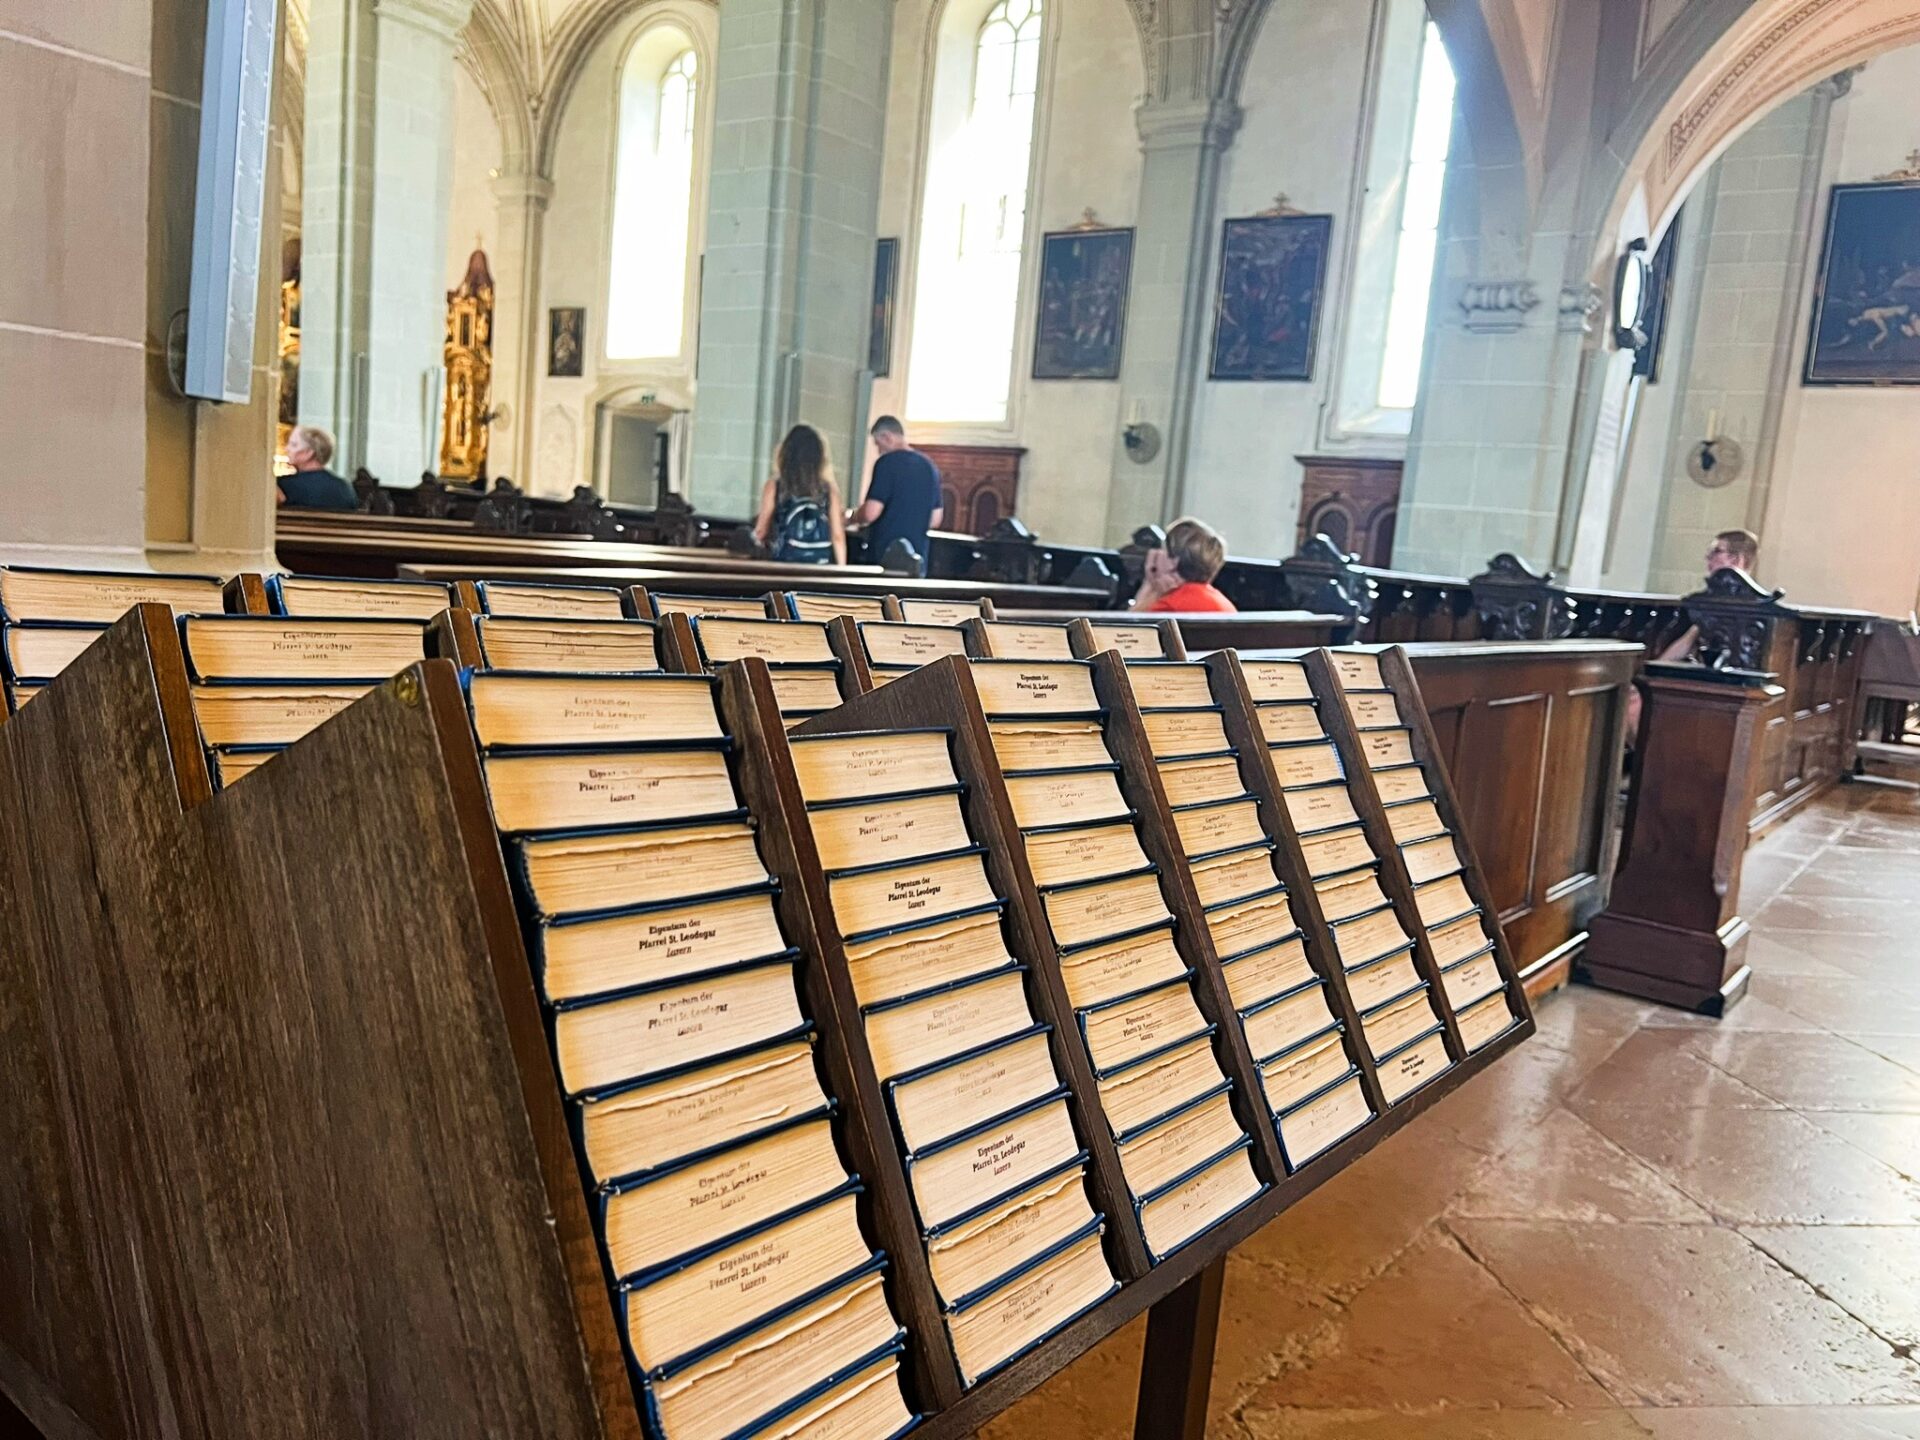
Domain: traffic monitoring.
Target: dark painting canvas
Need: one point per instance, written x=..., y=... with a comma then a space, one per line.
x=1083, y=304
x=566, y=341
x=886, y=266
x=1866, y=315
x=1267, y=312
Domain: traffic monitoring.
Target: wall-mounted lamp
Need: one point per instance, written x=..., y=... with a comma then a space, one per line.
x=1141, y=435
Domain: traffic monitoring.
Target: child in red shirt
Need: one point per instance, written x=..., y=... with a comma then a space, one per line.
x=1179, y=578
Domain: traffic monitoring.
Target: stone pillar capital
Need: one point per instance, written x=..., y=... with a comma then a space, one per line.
x=444, y=18
x=523, y=187
x=1186, y=124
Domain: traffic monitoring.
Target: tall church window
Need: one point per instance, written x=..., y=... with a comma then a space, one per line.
x=974, y=218
x=1426, y=176
x=652, y=202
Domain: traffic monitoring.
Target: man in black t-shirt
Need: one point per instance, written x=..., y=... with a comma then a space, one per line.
x=903, y=498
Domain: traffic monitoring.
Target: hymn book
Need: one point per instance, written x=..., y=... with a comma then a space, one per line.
x=1458, y=939
x=629, y=1037
x=1043, y=745
x=1380, y=981
x=1407, y=782
x=660, y=1217
x=644, y=1126
x=1330, y=852
x=231, y=765
x=1088, y=852
x=1374, y=710
x=1169, y=684
x=1471, y=980
x=37, y=651
x=957, y=1176
x=263, y=647
x=732, y=607
x=1276, y=680
x=971, y=1088
x=1026, y=687
x=915, y=959
x=1368, y=935
x=1316, y=1125
x=723, y=638
x=1317, y=808
x=865, y=1406
x=1217, y=825
x=1358, y=670
x=1398, y=1023
x=1243, y=925
x=1139, y=1025
x=595, y=871
x=805, y=1347
x=1134, y=639
x=939, y=612
x=1234, y=875
x=881, y=897
x=580, y=789
x=1199, y=1201
x=738, y=1282
x=98, y=597
x=830, y=607
x=552, y=602
x=1439, y=901
x=1124, y=965
x=1276, y=1026
x=1184, y=732
x=1195, y=782
x=1306, y=1070
x=1162, y=1081
x=1265, y=973
x=1171, y=1147
x=1285, y=723
x=325, y=596
x=519, y=709
x=599, y=953
x=1313, y=762
x=1430, y=859
x=1015, y=640
x=912, y=645
x=974, y=1254
x=1485, y=1022
x=1412, y=820
x=849, y=833
x=1412, y=1066
x=910, y=1034
x=1010, y=1320
x=599, y=646
x=232, y=715
x=1091, y=910
x=1066, y=797
x=897, y=762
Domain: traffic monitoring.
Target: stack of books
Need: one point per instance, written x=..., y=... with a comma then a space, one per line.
x=328, y=597
x=893, y=649
x=799, y=654
x=796, y=605
x=1371, y=938
x=1469, y=972
x=741, y=607
x=996, y=1172
x=751, y=1300
x=1021, y=640
x=47, y=617
x=527, y=600
x=944, y=612
x=1311, y=1083
x=1167, y=1101
x=260, y=682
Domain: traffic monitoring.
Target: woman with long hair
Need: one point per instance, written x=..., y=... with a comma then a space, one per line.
x=800, y=519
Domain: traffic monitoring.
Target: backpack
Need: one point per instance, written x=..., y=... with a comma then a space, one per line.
x=802, y=534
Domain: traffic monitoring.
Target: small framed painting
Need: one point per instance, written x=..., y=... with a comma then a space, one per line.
x=566, y=341
x=1084, y=275
x=1273, y=270
x=1866, y=312
x=886, y=273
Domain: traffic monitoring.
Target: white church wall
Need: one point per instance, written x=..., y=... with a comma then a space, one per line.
x=472, y=215
x=1086, y=156
x=1843, y=519
x=1302, y=101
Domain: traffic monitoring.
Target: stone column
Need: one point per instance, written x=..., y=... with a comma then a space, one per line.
x=519, y=336
x=1171, y=313
x=377, y=180
x=792, y=200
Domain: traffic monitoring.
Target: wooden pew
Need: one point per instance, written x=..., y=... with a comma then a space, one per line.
x=1247, y=630
x=757, y=578
x=1888, y=688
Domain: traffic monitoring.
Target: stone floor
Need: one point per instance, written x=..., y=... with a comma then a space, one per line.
x=1640, y=1224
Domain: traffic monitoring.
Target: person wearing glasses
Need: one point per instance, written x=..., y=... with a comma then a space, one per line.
x=1731, y=550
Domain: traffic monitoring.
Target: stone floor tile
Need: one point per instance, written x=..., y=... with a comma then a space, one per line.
x=1350, y=1229
x=1795, y=952
x=1266, y=1322
x=1567, y=1170
x=1688, y=1315
x=1893, y=1140
x=1755, y=1012
x=1812, y=1071
x=1761, y=1167
x=1894, y=958
x=1825, y=1422
x=1500, y=1107
x=1288, y=1424
x=1664, y=1067
x=1855, y=874
x=1872, y=1272
x=1434, y=1326
x=1879, y=915
x=1886, y=1007
x=1903, y=1050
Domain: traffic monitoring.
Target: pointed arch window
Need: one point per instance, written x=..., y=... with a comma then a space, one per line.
x=1425, y=178
x=974, y=217
x=652, y=204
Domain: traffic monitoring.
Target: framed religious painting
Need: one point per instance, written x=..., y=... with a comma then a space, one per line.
x=1866, y=311
x=566, y=341
x=886, y=279
x=1266, y=318
x=1084, y=275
